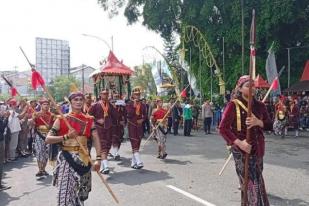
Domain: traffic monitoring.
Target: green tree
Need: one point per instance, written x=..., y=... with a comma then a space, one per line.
x=286, y=22
x=62, y=86
x=144, y=79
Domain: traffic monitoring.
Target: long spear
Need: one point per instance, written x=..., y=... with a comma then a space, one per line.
x=37, y=80
x=14, y=91
x=249, y=113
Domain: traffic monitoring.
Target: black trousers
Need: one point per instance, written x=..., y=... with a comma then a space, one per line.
x=146, y=126
x=1, y=159
x=207, y=124
x=187, y=127
x=169, y=125
x=175, y=126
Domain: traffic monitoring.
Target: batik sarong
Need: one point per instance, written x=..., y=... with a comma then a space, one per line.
x=160, y=135
x=73, y=187
x=279, y=126
x=41, y=150
x=256, y=192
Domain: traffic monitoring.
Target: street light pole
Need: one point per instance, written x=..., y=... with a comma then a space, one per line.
x=289, y=59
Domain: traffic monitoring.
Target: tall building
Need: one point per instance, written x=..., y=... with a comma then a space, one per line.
x=52, y=58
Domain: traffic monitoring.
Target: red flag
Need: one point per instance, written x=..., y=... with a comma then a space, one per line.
x=36, y=79
x=275, y=84
x=183, y=93
x=13, y=91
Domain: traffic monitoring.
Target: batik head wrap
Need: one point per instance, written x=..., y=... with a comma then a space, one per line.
x=76, y=94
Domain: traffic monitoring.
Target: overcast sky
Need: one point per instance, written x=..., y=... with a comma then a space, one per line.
x=23, y=20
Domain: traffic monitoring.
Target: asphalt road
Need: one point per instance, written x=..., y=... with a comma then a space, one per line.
x=188, y=177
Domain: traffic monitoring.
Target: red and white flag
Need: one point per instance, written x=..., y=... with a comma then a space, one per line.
x=275, y=84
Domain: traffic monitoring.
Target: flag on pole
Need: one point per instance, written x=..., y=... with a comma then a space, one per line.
x=36, y=79
x=275, y=84
x=13, y=91
x=252, y=47
x=183, y=93
x=271, y=69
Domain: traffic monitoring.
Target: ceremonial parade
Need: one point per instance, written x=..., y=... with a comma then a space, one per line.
x=173, y=110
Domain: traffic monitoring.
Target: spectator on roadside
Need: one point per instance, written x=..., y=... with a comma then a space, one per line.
x=302, y=117
x=176, y=117
x=195, y=114
x=187, y=117
x=169, y=117
x=14, y=126
x=207, y=115
x=217, y=117
x=22, y=136
x=3, y=124
x=146, y=123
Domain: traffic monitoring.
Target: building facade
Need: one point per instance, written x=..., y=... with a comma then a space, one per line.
x=82, y=74
x=20, y=80
x=52, y=58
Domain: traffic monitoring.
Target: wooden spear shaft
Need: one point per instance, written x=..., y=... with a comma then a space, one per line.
x=249, y=113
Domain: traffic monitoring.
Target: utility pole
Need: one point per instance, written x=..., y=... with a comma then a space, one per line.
x=289, y=67
x=211, y=84
x=83, y=78
x=289, y=59
x=223, y=59
x=189, y=70
x=200, y=73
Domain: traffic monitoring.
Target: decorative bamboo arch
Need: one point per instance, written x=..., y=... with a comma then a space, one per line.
x=191, y=33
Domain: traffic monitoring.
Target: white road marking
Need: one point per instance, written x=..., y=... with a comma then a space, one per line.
x=193, y=197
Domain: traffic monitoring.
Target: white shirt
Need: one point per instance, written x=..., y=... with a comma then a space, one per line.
x=14, y=122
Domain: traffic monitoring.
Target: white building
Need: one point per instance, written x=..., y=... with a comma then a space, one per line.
x=52, y=58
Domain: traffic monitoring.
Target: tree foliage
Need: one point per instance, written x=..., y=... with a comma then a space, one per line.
x=62, y=86
x=144, y=79
x=285, y=22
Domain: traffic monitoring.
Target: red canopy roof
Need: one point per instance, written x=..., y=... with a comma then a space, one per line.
x=305, y=75
x=259, y=82
x=114, y=67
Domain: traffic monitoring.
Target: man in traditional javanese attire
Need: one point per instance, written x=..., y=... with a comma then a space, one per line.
x=136, y=114
x=43, y=121
x=88, y=103
x=104, y=115
x=158, y=122
x=72, y=174
x=233, y=128
x=118, y=125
